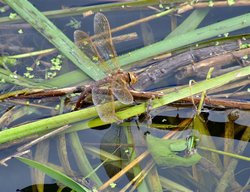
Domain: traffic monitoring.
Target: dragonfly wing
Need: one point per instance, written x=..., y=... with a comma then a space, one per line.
x=104, y=103
x=83, y=42
x=121, y=92
x=103, y=38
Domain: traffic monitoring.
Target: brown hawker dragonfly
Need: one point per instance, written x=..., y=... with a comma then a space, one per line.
x=116, y=84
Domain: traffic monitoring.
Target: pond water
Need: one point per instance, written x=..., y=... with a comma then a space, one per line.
x=193, y=155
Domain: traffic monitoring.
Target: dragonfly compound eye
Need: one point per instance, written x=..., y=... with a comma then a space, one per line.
x=132, y=77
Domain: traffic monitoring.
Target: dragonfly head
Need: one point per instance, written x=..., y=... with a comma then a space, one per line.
x=132, y=78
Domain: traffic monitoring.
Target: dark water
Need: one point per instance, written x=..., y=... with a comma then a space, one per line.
x=17, y=175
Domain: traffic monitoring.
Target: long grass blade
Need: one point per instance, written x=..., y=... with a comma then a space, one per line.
x=55, y=174
x=76, y=116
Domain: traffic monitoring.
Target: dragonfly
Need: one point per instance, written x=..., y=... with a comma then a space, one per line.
x=117, y=83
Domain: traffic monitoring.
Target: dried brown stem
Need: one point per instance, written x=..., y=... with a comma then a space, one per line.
x=229, y=135
x=221, y=102
x=233, y=85
x=200, y=5
x=216, y=61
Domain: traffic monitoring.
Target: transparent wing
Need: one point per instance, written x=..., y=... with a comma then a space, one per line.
x=104, y=103
x=121, y=92
x=99, y=50
x=103, y=39
x=106, y=49
x=83, y=41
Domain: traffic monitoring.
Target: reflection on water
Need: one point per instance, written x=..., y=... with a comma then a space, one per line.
x=112, y=149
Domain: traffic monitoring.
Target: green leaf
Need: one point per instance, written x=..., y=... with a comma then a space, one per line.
x=161, y=151
x=12, y=15
x=20, y=31
x=210, y=3
x=230, y=2
x=64, y=179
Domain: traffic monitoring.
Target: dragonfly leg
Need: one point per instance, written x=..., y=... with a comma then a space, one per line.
x=145, y=95
x=80, y=100
x=146, y=117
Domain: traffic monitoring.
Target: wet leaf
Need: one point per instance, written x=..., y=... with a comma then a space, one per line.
x=162, y=153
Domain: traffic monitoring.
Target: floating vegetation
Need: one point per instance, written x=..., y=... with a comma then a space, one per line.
x=169, y=109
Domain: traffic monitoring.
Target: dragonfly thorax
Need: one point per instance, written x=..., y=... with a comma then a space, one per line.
x=129, y=77
x=132, y=78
